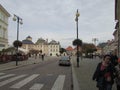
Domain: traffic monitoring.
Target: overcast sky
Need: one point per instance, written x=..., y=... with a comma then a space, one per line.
x=55, y=19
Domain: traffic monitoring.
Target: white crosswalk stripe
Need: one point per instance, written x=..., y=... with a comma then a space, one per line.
x=25, y=81
x=2, y=73
x=10, y=80
x=5, y=76
x=36, y=86
x=58, y=85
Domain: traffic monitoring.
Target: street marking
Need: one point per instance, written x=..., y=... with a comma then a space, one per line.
x=2, y=73
x=36, y=86
x=25, y=81
x=58, y=85
x=9, y=75
x=10, y=80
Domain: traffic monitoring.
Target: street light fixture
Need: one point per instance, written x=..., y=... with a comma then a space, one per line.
x=76, y=19
x=19, y=21
x=95, y=40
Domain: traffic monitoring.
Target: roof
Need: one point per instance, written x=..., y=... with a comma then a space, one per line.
x=41, y=40
x=69, y=48
x=4, y=10
x=27, y=42
x=53, y=42
x=78, y=48
x=29, y=37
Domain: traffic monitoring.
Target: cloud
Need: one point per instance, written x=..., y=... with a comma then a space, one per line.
x=55, y=19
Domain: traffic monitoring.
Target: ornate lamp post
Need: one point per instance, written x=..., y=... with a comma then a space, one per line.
x=95, y=40
x=19, y=21
x=76, y=19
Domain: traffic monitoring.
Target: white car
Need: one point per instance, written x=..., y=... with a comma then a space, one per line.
x=65, y=60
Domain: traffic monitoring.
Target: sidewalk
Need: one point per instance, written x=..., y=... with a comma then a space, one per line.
x=83, y=74
x=12, y=64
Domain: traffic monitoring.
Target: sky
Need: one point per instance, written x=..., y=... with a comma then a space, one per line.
x=55, y=20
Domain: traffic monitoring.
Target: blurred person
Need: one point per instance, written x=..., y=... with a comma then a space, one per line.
x=117, y=74
x=43, y=56
x=104, y=74
x=114, y=58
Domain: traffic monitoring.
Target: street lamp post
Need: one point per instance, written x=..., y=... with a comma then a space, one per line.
x=95, y=40
x=76, y=19
x=19, y=21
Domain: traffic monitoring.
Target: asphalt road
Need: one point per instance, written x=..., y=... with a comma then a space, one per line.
x=46, y=75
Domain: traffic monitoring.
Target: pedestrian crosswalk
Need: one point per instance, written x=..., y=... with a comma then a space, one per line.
x=58, y=85
x=25, y=79
x=36, y=86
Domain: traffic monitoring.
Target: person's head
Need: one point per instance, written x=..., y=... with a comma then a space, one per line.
x=107, y=58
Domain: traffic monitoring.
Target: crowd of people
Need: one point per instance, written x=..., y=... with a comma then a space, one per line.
x=107, y=72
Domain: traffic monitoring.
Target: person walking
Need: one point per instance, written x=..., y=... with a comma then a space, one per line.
x=104, y=74
x=43, y=56
x=117, y=74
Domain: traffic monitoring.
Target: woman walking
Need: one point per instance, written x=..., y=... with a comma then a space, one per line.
x=117, y=74
x=104, y=74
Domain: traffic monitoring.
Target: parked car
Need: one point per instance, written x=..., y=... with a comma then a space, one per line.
x=65, y=60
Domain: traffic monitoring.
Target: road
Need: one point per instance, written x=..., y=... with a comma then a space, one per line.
x=46, y=75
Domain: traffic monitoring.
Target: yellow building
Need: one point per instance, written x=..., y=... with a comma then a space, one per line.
x=4, y=15
x=47, y=48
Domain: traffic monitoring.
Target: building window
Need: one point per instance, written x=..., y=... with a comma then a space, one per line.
x=4, y=33
x=56, y=50
x=2, y=45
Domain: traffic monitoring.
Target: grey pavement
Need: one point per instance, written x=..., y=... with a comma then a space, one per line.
x=12, y=64
x=82, y=76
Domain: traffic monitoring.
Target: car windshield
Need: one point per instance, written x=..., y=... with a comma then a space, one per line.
x=64, y=58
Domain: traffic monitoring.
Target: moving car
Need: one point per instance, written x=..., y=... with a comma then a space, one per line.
x=65, y=60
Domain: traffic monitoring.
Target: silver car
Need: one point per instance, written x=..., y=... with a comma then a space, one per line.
x=65, y=60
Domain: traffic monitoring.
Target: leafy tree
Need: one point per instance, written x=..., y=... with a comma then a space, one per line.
x=40, y=51
x=62, y=50
x=88, y=48
x=77, y=42
x=17, y=43
x=102, y=45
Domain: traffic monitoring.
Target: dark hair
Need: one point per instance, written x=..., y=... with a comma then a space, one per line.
x=107, y=55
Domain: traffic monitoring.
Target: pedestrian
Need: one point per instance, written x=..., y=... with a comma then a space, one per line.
x=114, y=58
x=117, y=74
x=43, y=56
x=35, y=55
x=104, y=74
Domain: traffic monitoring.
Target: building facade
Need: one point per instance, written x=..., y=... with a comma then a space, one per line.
x=53, y=48
x=117, y=27
x=48, y=48
x=4, y=15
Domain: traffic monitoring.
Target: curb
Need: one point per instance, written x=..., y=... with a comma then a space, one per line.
x=13, y=67
x=75, y=81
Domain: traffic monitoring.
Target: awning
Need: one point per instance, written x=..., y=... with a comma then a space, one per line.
x=23, y=50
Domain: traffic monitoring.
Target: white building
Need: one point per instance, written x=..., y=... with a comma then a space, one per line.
x=53, y=48
x=4, y=15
